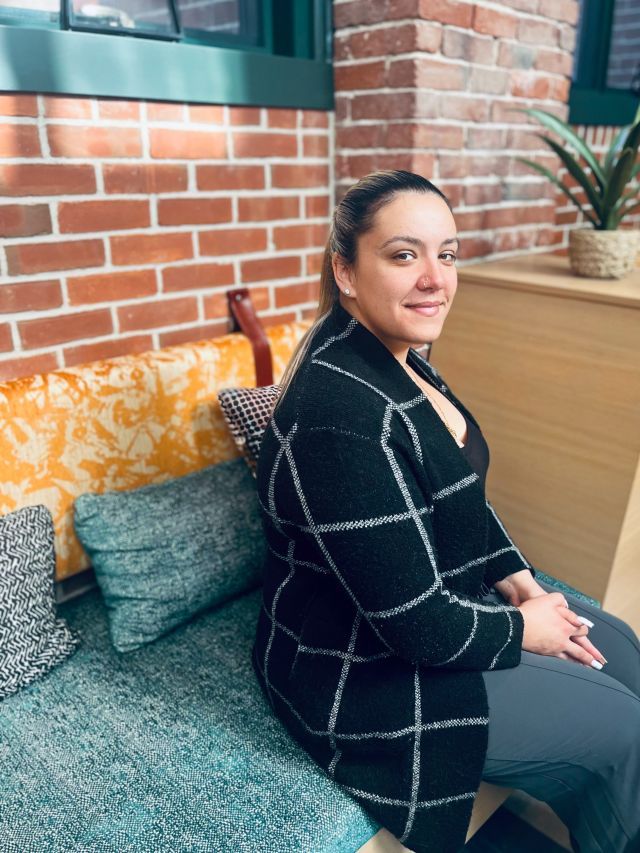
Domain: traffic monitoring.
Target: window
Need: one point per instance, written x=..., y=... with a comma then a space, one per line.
x=606, y=79
x=256, y=52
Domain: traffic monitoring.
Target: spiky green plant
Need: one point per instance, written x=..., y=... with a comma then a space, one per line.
x=604, y=181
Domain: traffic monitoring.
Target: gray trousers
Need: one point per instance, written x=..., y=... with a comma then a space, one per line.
x=569, y=735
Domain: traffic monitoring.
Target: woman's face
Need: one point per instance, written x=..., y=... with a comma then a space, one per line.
x=413, y=239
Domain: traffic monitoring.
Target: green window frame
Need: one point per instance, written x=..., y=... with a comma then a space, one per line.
x=292, y=67
x=591, y=101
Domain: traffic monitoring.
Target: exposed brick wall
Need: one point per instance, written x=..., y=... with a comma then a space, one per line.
x=122, y=223
x=429, y=85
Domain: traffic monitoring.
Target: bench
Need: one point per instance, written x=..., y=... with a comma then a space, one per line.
x=171, y=747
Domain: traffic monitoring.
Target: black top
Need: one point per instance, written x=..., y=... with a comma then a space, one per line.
x=476, y=450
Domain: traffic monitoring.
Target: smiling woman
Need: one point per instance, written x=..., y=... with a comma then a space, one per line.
x=379, y=645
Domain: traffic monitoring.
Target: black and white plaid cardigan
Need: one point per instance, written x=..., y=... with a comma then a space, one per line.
x=372, y=637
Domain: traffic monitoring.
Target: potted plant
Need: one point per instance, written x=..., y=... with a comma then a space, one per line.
x=602, y=250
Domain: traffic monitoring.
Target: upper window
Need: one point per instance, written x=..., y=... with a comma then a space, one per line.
x=266, y=52
x=606, y=77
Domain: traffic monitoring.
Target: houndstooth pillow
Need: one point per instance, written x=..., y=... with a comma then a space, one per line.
x=247, y=412
x=32, y=638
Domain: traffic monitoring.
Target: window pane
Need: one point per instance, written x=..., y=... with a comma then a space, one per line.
x=624, y=54
x=29, y=11
x=145, y=16
x=232, y=17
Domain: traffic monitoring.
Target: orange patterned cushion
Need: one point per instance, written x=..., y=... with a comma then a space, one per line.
x=121, y=423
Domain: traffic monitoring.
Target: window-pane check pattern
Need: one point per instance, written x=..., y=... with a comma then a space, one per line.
x=373, y=634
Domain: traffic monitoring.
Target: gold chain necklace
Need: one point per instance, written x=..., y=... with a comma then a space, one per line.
x=434, y=403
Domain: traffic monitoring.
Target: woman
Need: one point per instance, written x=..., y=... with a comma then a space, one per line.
x=380, y=645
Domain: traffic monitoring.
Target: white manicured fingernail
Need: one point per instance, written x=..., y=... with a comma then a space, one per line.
x=585, y=621
x=596, y=664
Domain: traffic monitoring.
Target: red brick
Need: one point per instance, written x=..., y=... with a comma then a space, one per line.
x=244, y=115
x=526, y=85
x=6, y=340
x=493, y=81
x=50, y=331
x=527, y=190
x=447, y=12
x=548, y=236
x=235, y=241
x=358, y=165
x=520, y=215
x=469, y=220
x=206, y=114
x=119, y=110
x=216, y=304
x=194, y=211
x=554, y=61
x=24, y=220
x=315, y=118
x=561, y=10
x=78, y=216
x=567, y=37
x=362, y=135
x=164, y=112
x=514, y=55
x=474, y=247
x=314, y=145
x=60, y=255
x=426, y=73
x=494, y=23
x=230, y=177
x=144, y=179
x=294, y=294
x=452, y=190
x=486, y=137
x=265, y=144
x=68, y=140
x=46, y=179
x=467, y=46
x=538, y=32
x=59, y=106
x=465, y=107
x=194, y=276
x=482, y=193
x=313, y=263
x=151, y=248
x=518, y=169
x=277, y=319
x=300, y=236
x=19, y=140
x=404, y=38
x=507, y=111
x=18, y=105
x=316, y=205
x=282, y=118
x=258, y=209
x=299, y=175
x=365, y=12
x=385, y=105
x=510, y=241
x=16, y=368
x=111, y=287
x=525, y=139
x=568, y=217
x=107, y=349
x=193, y=333
x=361, y=75
x=266, y=269
x=165, y=312
x=30, y=296
x=427, y=135
x=186, y=144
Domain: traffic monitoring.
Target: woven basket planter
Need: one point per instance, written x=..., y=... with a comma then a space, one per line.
x=603, y=254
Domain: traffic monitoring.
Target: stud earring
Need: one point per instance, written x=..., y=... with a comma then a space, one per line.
x=347, y=291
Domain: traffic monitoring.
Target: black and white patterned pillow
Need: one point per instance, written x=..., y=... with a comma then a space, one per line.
x=247, y=412
x=32, y=638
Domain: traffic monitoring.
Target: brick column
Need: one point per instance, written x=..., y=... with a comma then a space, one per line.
x=430, y=86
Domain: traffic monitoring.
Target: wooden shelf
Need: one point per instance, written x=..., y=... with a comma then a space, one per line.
x=549, y=364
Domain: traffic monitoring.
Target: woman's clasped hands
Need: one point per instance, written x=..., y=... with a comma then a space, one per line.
x=550, y=626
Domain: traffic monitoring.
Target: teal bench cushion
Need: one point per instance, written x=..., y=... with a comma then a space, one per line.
x=171, y=747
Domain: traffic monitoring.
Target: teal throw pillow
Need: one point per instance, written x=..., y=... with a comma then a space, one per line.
x=167, y=551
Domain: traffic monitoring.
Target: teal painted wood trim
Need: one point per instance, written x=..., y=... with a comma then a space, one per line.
x=602, y=106
x=95, y=65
